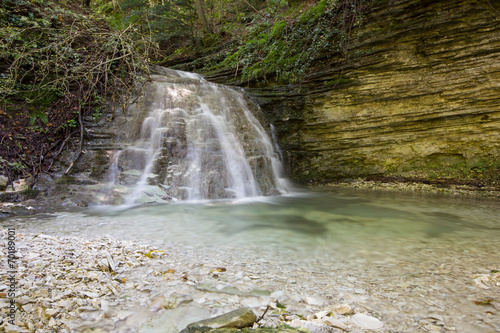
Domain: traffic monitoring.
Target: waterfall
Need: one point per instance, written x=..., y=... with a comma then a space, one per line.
x=192, y=140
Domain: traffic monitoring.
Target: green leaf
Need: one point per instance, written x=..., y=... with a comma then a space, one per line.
x=38, y=114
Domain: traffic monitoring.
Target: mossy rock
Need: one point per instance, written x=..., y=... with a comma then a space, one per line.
x=29, y=194
x=70, y=180
x=282, y=328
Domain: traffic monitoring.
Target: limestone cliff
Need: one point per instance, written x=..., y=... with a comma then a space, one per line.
x=420, y=93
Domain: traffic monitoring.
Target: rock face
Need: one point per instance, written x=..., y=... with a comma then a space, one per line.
x=420, y=93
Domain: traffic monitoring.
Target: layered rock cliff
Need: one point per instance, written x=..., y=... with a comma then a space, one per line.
x=420, y=94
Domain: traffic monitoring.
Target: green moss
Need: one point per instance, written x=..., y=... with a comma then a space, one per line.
x=278, y=29
x=313, y=12
x=30, y=193
x=452, y=168
x=285, y=47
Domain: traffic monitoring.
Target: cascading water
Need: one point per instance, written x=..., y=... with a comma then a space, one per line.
x=191, y=139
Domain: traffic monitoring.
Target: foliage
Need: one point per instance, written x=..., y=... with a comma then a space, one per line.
x=166, y=22
x=257, y=40
x=59, y=64
x=286, y=49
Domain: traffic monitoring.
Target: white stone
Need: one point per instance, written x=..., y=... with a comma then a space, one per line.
x=335, y=323
x=326, y=313
x=311, y=326
x=90, y=294
x=314, y=301
x=52, y=322
x=367, y=322
x=432, y=328
x=122, y=314
x=51, y=312
x=436, y=317
x=13, y=329
x=104, y=305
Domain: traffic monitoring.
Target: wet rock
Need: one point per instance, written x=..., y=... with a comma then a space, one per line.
x=176, y=300
x=240, y=318
x=71, y=180
x=3, y=182
x=313, y=327
x=43, y=182
x=282, y=328
x=232, y=290
x=174, y=320
x=16, y=209
x=157, y=304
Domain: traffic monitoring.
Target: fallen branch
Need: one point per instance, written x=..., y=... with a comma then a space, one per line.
x=262, y=316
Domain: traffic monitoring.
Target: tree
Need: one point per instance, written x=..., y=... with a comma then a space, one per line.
x=202, y=17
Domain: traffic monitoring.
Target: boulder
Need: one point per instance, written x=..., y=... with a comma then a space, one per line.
x=243, y=317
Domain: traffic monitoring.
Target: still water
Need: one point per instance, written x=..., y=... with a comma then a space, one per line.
x=344, y=220
x=403, y=255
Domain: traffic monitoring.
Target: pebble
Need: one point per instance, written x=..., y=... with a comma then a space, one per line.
x=13, y=329
x=342, y=309
x=436, y=317
x=317, y=301
x=367, y=322
x=312, y=326
x=432, y=328
x=336, y=323
x=73, y=284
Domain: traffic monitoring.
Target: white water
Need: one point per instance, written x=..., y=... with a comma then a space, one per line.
x=194, y=140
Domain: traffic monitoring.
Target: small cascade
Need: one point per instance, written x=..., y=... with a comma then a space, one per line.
x=194, y=140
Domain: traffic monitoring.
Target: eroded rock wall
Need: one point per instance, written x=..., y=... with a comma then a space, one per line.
x=421, y=92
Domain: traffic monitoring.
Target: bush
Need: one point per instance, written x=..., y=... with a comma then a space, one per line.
x=58, y=65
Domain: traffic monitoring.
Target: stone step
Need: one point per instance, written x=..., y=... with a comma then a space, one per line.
x=104, y=146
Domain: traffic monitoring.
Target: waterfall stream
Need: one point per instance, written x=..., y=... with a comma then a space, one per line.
x=195, y=140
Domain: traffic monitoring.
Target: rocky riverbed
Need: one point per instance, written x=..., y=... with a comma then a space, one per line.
x=102, y=284
x=73, y=284
x=419, y=186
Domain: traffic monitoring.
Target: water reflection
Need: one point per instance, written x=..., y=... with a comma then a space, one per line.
x=344, y=218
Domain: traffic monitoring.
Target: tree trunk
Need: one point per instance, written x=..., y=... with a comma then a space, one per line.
x=201, y=15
